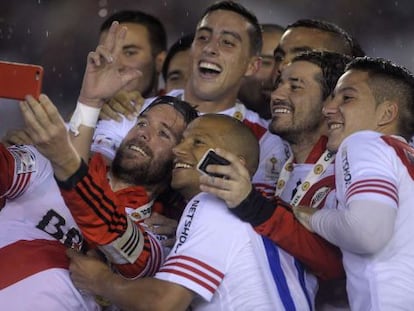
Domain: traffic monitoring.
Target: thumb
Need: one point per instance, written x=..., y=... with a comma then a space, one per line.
x=130, y=74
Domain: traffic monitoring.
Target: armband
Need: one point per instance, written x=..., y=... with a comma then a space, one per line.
x=126, y=248
x=83, y=115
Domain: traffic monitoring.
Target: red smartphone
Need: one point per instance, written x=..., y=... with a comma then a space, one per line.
x=18, y=80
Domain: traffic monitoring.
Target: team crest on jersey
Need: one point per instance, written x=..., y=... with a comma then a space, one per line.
x=24, y=158
x=140, y=213
x=272, y=168
x=319, y=196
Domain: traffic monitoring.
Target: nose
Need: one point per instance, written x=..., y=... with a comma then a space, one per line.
x=278, y=93
x=179, y=149
x=143, y=132
x=211, y=47
x=330, y=107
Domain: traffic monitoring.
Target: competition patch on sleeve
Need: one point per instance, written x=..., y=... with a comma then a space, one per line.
x=25, y=159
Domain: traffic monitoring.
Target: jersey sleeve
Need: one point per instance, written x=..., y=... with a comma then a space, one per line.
x=200, y=256
x=20, y=166
x=366, y=170
x=101, y=216
x=275, y=220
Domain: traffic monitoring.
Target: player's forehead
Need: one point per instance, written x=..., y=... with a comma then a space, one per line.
x=165, y=114
x=304, y=37
x=224, y=22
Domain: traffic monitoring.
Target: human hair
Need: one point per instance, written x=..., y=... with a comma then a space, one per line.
x=156, y=30
x=255, y=32
x=188, y=111
x=239, y=139
x=331, y=64
x=182, y=44
x=352, y=46
x=389, y=81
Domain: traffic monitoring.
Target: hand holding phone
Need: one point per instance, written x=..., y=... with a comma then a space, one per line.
x=18, y=80
x=210, y=157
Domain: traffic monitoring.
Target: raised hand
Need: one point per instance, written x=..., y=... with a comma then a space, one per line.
x=236, y=185
x=104, y=75
x=47, y=131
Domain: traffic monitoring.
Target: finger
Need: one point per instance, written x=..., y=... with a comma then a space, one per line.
x=126, y=100
x=119, y=40
x=30, y=120
x=103, y=53
x=109, y=41
x=107, y=113
x=51, y=110
x=138, y=100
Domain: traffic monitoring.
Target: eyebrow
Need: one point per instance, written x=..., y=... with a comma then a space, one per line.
x=224, y=32
x=131, y=46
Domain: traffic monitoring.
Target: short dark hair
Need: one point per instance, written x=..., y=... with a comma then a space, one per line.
x=255, y=33
x=182, y=44
x=354, y=48
x=156, y=30
x=188, y=111
x=389, y=81
x=332, y=66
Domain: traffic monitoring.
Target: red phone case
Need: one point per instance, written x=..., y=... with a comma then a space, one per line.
x=18, y=80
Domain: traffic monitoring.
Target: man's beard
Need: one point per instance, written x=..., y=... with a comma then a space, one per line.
x=294, y=133
x=142, y=174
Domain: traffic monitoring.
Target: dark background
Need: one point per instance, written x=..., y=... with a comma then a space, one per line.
x=58, y=34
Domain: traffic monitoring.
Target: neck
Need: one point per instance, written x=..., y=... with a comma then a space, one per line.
x=117, y=185
x=215, y=105
x=303, y=146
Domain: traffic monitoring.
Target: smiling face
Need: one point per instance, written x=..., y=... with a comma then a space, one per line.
x=220, y=56
x=297, y=102
x=352, y=108
x=200, y=135
x=145, y=155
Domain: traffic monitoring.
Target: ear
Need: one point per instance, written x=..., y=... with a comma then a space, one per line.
x=159, y=61
x=254, y=65
x=387, y=112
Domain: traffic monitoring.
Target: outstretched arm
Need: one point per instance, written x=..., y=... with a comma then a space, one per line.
x=93, y=276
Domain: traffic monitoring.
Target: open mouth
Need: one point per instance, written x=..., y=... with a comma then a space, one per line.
x=209, y=69
x=183, y=165
x=138, y=149
x=281, y=109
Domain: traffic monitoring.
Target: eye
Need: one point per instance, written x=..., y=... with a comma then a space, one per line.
x=227, y=42
x=295, y=87
x=202, y=38
x=164, y=134
x=130, y=52
x=141, y=123
x=346, y=98
x=198, y=142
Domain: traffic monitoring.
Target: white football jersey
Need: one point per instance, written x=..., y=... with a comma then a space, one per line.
x=231, y=267
x=379, y=168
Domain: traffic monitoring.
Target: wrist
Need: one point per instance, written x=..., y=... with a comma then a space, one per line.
x=83, y=115
x=91, y=102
